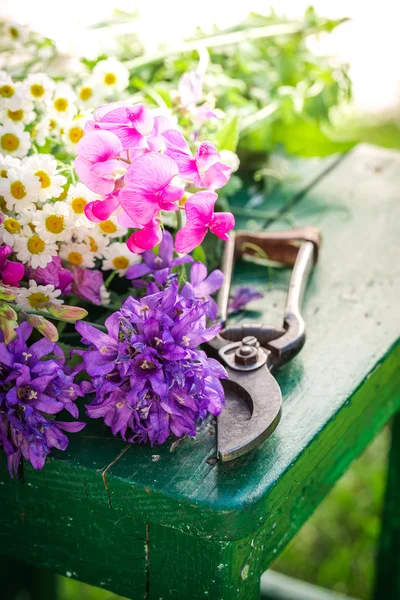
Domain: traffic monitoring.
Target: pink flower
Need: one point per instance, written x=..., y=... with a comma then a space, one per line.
x=204, y=168
x=11, y=272
x=134, y=125
x=146, y=238
x=190, y=88
x=54, y=274
x=148, y=187
x=97, y=163
x=87, y=284
x=101, y=210
x=200, y=217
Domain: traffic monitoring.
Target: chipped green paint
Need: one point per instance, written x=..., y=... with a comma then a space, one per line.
x=186, y=527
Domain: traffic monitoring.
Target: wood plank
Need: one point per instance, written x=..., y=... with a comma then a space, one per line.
x=337, y=394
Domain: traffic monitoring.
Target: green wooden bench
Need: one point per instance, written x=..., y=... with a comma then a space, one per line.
x=171, y=522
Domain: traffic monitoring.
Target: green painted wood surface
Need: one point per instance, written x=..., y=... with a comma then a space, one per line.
x=144, y=522
x=20, y=581
x=387, y=582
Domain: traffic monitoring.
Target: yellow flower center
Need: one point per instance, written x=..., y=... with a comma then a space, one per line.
x=120, y=262
x=61, y=104
x=18, y=190
x=14, y=33
x=35, y=244
x=75, y=134
x=75, y=258
x=9, y=142
x=7, y=91
x=3, y=173
x=44, y=179
x=52, y=124
x=38, y=298
x=108, y=227
x=110, y=78
x=85, y=93
x=11, y=225
x=64, y=193
x=16, y=115
x=3, y=204
x=78, y=205
x=37, y=90
x=55, y=223
x=93, y=246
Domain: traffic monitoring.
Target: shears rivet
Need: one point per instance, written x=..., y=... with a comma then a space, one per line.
x=246, y=355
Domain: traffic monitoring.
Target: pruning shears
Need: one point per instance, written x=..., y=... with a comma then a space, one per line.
x=250, y=352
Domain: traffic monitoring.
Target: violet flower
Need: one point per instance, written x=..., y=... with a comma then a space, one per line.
x=242, y=296
x=149, y=380
x=88, y=284
x=54, y=274
x=11, y=272
x=202, y=285
x=158, y=265
x=32, y=390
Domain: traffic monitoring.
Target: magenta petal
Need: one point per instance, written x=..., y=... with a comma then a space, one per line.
x=190, y=88
x=102, y=209
x=99, y=146
x=150, y=172
x=199, y=208
x=148, y=237
x=222, y=223
x=206, y=156
x=12, y=273
x=139, y=207
x=188, y=238
x=216, y=176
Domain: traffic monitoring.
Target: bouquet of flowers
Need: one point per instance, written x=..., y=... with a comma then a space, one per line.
x=106, y=198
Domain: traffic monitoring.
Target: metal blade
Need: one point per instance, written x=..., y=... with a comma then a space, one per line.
x=252, y=411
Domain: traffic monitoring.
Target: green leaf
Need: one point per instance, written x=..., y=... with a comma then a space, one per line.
x=199, y=255
x=305, y=138
x=227, y=137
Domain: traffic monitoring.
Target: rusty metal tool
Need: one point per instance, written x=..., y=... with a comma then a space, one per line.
x=251, y=351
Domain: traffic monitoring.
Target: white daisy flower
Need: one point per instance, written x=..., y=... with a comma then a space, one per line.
x=62, y=105
x=23, y=114
x=73, y=132
x=15, y=33
x=37, y=295
x=111, y=75
x=20, y=189
x=14, y=140
x=111, y=227
x=34, y=250
x=44, y=166
x=39, y=87
x=88, y=93
x=77, y=254
x=53, y=222
x=8, y=162
x=95, y=241
x=10, y=92
x=78, y=196
x=105, y=295
x=119, y=258
x=14, y=226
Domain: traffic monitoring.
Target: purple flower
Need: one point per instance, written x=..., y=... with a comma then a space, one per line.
x=202, y=285
x=149, y=379
x=158, y=265
x=53, y=273
x=88, y=284
x=242, y=296
x=32, y=391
